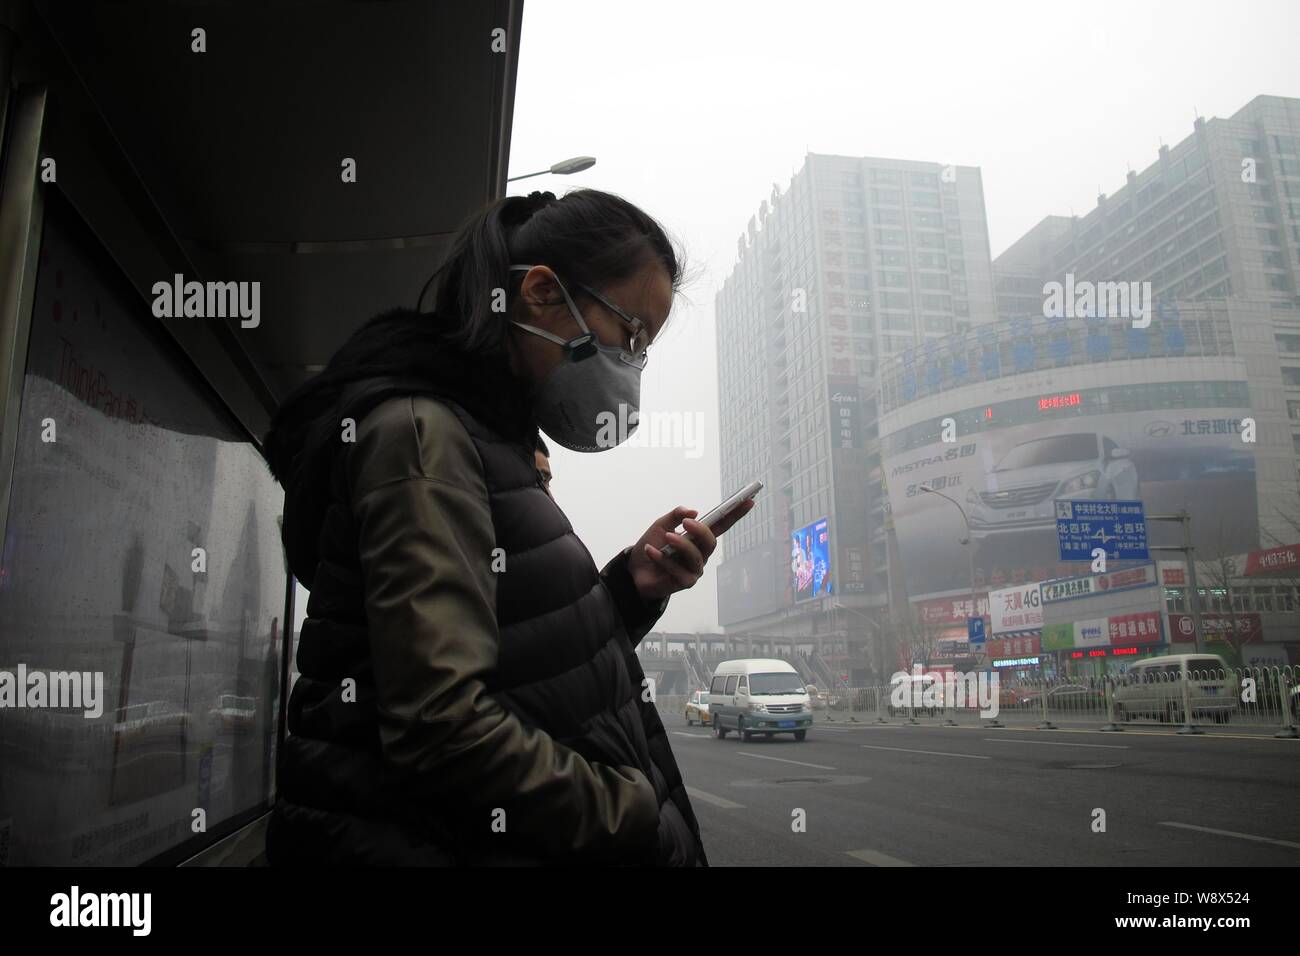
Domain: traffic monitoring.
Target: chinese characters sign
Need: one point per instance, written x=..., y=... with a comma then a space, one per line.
x=1117, y=527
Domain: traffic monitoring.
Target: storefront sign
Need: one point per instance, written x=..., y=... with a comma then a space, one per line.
x=1277, y=562
x=1012, y=646
x=1218, y=626
x=1016, y=609
x=1140, y=628
x=1068, y=589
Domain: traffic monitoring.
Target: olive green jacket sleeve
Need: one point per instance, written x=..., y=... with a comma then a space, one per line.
x=425, y=528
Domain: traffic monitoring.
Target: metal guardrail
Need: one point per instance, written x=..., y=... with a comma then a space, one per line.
x=1257, y=697
x=1254, y=697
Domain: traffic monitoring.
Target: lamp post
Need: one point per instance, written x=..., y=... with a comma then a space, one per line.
x=565, y=167
x=840, y=607
x=1189, y=553
x=875, y=628
x=966, y=542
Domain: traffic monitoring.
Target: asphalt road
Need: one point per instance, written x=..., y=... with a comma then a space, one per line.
x=901, y=795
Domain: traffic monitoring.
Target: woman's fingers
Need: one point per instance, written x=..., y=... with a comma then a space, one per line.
x=686, y=551
x=680, y=575
x=733, y=516
x=675, y=517
x=703, y=538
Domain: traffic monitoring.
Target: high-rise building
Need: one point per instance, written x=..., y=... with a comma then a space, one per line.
x=1018, y=273
x=1216, y=216
x=857, y=261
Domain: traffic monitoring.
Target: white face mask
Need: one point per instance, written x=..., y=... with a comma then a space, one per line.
x=590, y=401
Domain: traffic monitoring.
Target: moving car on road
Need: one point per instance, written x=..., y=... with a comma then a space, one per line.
x=1069, y=697
x=697, y=708
x=759, y=695
x=1154, y=688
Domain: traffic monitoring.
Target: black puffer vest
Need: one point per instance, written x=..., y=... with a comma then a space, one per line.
x=566, y=665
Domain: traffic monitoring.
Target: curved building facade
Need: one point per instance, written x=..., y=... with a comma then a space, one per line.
x=1186, y=413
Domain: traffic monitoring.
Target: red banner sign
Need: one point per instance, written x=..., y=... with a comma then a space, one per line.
x=1217, y=627
x=1279, y=562
x=1140, y=628
x=950, y=610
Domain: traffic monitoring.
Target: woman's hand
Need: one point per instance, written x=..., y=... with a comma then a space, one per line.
x=657, y=575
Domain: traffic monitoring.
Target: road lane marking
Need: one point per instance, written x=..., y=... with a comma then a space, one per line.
x=1055, y=743
x=1231, y=833
x=877, y=859
x=815, y=766
x=682, y=733
x=1128, y=730
x=722, y=802
x=934, y=753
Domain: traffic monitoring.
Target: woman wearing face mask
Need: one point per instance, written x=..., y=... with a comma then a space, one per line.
x=469, y=691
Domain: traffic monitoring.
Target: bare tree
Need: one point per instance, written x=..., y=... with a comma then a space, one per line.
x=1289, y=518
x=1220, y=572
x=912, y=633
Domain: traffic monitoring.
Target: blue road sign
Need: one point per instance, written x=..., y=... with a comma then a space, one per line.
x=975, y=629
x=1118, y=527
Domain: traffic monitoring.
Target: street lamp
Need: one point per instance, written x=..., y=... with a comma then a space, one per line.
x=875, y=626
x=965, y=542
x=565, y=167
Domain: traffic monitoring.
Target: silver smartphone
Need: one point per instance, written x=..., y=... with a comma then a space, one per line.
x=729, y=505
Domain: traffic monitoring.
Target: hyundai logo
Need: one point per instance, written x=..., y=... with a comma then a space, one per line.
x=1159, y=429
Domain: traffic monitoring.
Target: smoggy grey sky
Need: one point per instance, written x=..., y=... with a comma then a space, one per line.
x=694, y=109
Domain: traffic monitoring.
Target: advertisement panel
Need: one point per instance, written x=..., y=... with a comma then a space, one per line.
x=1277, y=562
x=1092, y=633
x=1070, y=588
x=951, y=611
x=844, y=402
x=1098, y=631
x=1173, y=574
x=1217, y=626
x=749, y=584
x=1058, y=637
x=1169, y=445
x=810, y=561
x=1140, y=628
x=1016, y=609
x=1010, y=647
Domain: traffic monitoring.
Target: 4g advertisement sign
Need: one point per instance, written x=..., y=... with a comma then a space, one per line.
x=1016, y=610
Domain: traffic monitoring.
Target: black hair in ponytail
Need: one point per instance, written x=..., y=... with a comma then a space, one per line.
x=588, y=237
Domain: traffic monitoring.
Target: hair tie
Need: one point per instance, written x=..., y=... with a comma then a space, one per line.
x=540, y=200
x=523, y=208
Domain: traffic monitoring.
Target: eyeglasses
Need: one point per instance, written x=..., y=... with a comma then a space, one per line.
x=638, y=342
x=638, y=345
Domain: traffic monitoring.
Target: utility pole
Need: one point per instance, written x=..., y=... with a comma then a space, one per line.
x=968, y=543
x=1184, y=518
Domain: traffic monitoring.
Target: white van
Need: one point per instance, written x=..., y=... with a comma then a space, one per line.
x=1154, y=688
x=759, y=696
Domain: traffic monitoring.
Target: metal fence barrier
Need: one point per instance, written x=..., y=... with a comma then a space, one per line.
x=1156, y=693
x=1257, y=697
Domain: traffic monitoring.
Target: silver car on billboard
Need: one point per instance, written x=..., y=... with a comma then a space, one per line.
x=1018, y=493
